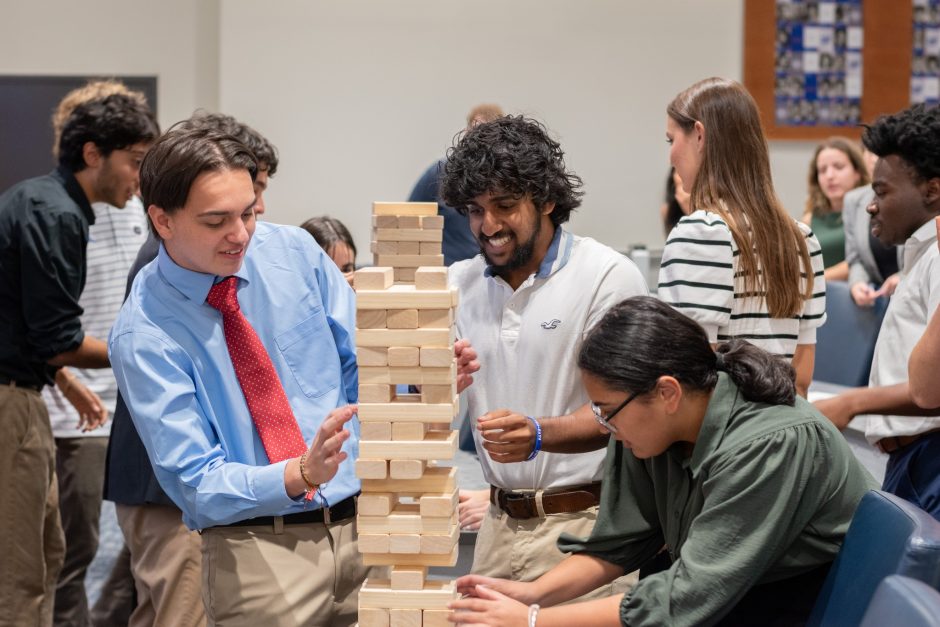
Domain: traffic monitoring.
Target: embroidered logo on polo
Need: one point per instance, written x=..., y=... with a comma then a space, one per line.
x=552, y=324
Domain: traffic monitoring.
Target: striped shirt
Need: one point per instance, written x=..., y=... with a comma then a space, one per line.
x=113, y=242
x=700, y=276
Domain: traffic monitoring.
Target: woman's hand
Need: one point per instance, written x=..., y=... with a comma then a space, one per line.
x=472, y=508
x=521, y=591
x=489, y=607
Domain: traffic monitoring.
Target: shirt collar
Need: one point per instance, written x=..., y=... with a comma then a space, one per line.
x=193, y=285
x=74, y=190
x=918, y=243
x=557, y=255
x=717, y=416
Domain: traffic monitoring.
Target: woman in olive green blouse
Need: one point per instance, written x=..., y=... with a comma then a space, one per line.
x=716, y=471
x=837, y=167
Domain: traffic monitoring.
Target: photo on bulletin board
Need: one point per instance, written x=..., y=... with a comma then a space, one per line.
x=818, y=63
x=925, y=53
x=818, y=68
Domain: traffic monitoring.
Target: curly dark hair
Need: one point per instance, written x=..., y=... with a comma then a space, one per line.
x=111, y=123
x=912, y=134
x=264, y=150
x=514, y=155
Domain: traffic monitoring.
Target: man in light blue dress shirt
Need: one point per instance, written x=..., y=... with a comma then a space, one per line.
x=270, y=556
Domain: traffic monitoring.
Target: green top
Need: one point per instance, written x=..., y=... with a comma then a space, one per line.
x=831, y=235
x=768, y=494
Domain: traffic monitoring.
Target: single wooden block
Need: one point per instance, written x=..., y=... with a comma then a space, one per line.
x=373, y=278
x=378, y=617
x=407, y=412
x=405, y=618
x=386, y=248
x=402, y=319
x=435, y=504
x=406, y=518
x=409, y=261
x=375, y=431
x=436, y=479
x=404, y=208
x=405, y=337
x=409, y=376
x=373, y=542
x=378, y=503
x=434, y=394
x=408, y=577
x=400, y=559
x=435, y=445
x=411, y=248
x=404, y=543
x=404, y=275
x=427, y=248
x=403, y=356
x=432, y=222
x=384, y=222
x=409, y=431
x=406, y=297
x=372, y=356
x=407, y=397
x=371, y=319
x=407, y=235
x=437, y=544
x=436, y=356
x=434, y=278
x=435, y=318
x=434, y=596
x=406, y=468
x=371, y=468
x=430, y=618
x=409, y=222
x=375, y=393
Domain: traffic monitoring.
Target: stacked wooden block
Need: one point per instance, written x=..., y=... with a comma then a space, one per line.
x=405, y=237
x=408, y=507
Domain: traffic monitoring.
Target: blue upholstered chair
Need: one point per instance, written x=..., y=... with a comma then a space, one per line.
x=903, y=601
x=845, y=344
x=887, y=536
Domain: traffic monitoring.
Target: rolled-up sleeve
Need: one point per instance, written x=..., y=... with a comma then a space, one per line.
x=52, y=262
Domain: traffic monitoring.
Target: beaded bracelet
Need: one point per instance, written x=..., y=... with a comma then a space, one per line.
x=533, y=614
x=311, y=487
x=538, y=439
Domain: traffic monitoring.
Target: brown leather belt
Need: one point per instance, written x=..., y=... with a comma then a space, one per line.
x=523, y=505
x=894, y=443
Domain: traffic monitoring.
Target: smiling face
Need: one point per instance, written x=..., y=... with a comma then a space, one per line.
x=685, y=153
x=900, y=205
x=211, y=232
x=513, y=235
x=835, y=175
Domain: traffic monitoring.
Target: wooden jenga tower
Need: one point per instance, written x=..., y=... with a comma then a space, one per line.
x=405, y=237
x=405, y=336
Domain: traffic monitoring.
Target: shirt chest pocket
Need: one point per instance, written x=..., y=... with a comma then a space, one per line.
x=310, y=352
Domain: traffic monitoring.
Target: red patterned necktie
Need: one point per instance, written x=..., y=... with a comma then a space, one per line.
x=280, y=434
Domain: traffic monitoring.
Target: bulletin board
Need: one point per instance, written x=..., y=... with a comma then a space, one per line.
x=818, y=69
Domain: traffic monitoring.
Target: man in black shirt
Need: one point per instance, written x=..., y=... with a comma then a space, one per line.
x=43, y=234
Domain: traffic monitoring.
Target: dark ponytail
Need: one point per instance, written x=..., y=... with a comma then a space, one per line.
x=642, y=339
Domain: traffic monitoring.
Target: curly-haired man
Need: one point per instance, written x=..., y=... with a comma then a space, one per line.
x=526, y=302
x=906, y=181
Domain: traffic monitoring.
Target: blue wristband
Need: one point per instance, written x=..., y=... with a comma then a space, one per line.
x=538, y=439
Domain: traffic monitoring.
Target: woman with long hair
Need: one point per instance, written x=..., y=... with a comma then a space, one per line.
x=836, y=168
x=738, y=264
x=712, y=456
x=336, y=241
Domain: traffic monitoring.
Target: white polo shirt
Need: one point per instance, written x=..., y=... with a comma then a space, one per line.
x=528, y=342
x=113, y=242
x=909, y=311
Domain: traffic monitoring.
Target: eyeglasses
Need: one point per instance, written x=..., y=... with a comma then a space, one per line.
x=604, y=421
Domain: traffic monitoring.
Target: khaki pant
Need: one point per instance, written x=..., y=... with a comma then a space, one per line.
x=166, y=564
x=283, y=576
x=524, y=550
x=80, y=471
x=32, y=546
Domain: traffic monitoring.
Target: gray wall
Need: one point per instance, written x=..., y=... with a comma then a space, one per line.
x=360, y=96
